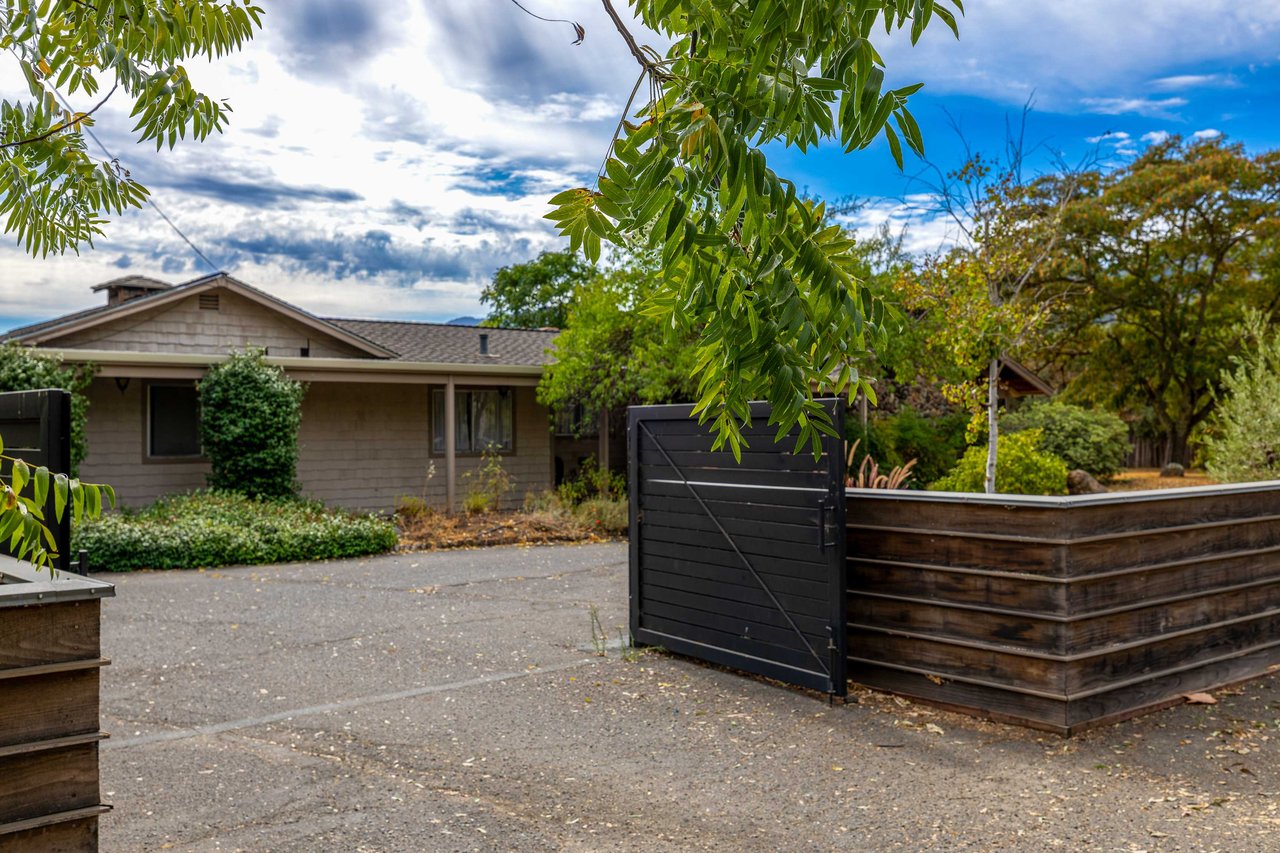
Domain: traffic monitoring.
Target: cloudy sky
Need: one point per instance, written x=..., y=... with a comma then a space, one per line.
x=386, y=156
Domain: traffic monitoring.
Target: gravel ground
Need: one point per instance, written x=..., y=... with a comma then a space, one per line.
x=453, y=701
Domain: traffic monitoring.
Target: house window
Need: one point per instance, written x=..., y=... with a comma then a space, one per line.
x=173, y=421
x=483, y=420
x=576, y=422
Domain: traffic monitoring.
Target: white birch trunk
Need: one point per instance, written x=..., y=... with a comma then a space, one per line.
x=993, y=399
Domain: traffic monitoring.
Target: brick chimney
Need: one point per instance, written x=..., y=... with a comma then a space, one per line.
x=130, y=287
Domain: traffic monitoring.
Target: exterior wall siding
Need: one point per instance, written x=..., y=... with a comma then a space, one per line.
x=361, y=446
x=364, y=446
x=184, y=327
x=115, y=434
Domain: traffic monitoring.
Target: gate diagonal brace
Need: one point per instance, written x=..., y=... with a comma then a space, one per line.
x=825, y=666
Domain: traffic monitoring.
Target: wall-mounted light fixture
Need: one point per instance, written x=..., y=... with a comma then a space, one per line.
x=122, y=382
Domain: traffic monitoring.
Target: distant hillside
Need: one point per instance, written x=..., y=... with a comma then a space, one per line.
x=465, y=321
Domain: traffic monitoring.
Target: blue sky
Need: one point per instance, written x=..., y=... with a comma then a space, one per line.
x=386, y=156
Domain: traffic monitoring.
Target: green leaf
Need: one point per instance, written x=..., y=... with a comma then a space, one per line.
x=20, y=475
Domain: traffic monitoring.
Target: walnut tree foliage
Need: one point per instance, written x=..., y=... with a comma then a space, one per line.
x=75, y=56
x=757, y=272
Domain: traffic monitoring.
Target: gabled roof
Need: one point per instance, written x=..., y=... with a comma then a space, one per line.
x=50, y=330
x=1020, y=379
x=440, y=342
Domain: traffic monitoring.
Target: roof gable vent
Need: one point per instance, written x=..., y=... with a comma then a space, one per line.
x=208, y=302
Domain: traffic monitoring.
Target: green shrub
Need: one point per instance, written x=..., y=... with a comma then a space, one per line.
x=592, y=482
x=25, y=369
x=1242, y=442
x=205, y=529
x=249, y=417
x=1022, y=468
x=1093, y=441
x=935, y=443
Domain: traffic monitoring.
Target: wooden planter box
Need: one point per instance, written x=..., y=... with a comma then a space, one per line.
x=1063, y=612
x=50, y=659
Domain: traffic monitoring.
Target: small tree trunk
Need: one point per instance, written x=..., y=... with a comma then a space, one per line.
x=993, y=399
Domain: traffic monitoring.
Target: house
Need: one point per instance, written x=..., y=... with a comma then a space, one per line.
x=392, y=408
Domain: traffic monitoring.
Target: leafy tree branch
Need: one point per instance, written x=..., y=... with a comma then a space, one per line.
x=756, y=273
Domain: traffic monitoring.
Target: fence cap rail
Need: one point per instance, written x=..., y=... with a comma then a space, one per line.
x=1068, y=501
x=21, y=584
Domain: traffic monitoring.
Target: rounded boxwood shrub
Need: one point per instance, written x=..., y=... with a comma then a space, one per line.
x=249, y=417
x=1022, y=468
x=1093, y=441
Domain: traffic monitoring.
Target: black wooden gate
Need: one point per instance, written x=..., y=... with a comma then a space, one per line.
x=739, y=564
x=36, y=428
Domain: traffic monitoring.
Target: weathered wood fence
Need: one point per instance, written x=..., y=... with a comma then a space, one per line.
x=1063, y=613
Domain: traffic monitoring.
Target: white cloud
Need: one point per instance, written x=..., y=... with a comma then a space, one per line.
x=1086, y=48
x=421, y=138
x=1149, y=107
x=1155, y=137
x=1207, y=133
x=1116, y=138
x=1179, y=82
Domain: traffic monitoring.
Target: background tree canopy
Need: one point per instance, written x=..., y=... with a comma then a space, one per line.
x=1163, y=259
x=612, y=354
x=535, y=294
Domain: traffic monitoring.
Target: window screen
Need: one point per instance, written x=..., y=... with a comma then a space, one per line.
x=173, y=421
x=484, y=420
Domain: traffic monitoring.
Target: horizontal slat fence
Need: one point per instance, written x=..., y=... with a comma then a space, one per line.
x=1063, y=612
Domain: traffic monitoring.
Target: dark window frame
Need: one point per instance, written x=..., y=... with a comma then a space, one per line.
x=459, y=390
x=149, y=457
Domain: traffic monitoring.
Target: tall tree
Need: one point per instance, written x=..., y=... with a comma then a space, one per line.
x=754, y=270
x=1175, y=249
x=991, y=295
x=53, y=193
x=537, y=293
x=613, y=354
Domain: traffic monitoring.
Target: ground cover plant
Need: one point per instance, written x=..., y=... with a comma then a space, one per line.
x=204, y=529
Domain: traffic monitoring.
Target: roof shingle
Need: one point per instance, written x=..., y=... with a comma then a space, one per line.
x=446, y=344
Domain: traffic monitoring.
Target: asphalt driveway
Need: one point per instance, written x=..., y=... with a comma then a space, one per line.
x=454, y=701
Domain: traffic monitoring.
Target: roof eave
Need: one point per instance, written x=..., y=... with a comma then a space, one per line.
x=338, y=365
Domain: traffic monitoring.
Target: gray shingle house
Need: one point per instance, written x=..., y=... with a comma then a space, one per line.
x=392, y=408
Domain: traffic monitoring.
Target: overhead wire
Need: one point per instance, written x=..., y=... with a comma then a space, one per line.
x=212, y=266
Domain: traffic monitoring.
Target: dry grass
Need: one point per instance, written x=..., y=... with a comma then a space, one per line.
x=429, y=531
x=1140, y=479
